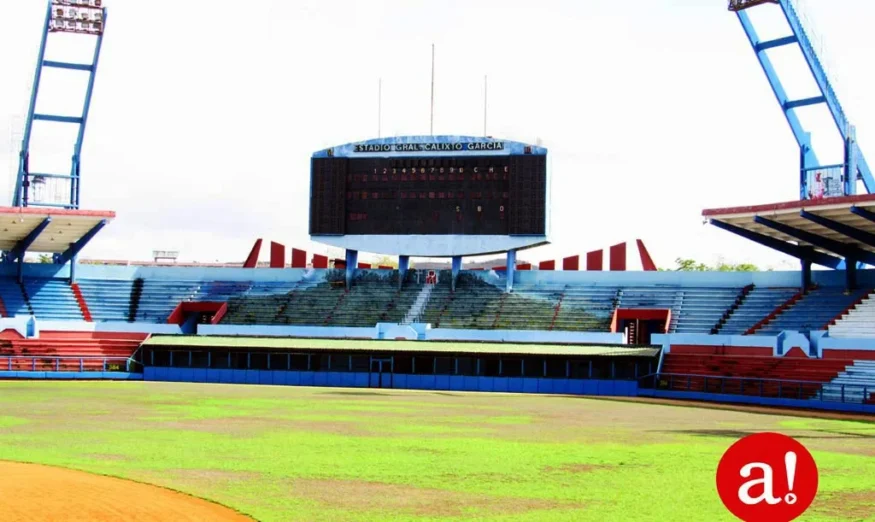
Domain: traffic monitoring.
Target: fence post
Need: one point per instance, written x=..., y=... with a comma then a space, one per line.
x=780, y=390
x=104, y=366
x=843, y=393
x=81, y=365
x=689, y=382
x=799, y=395
x=742, y=387
x=761, y=388
x=33, y=364
x=865, y=395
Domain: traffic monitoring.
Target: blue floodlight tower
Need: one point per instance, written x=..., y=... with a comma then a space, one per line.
x=854, y=166
x=85, y=17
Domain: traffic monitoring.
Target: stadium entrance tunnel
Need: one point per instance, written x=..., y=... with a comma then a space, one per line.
x=188, y=315
x=559, y=369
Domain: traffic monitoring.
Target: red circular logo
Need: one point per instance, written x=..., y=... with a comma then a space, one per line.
x=767, y=477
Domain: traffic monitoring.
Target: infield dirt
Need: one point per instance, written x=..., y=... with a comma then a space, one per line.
x=30, y=492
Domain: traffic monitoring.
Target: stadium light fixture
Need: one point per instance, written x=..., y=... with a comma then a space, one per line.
x=77, y=16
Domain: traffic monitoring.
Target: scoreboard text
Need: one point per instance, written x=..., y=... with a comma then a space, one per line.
x=472, y=195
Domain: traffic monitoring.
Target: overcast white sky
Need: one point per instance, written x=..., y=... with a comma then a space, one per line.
x=206, y=112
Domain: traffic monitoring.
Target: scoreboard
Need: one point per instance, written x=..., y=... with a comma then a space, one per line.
x=444, y=186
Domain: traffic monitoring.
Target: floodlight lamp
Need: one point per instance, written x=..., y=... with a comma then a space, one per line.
x=77, y=16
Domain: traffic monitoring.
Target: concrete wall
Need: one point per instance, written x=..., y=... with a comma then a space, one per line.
x=339, y=332
x=820, y=345
x=413, y=332
x=411, y=382
x=525, y=336
x=19, y=324
x=761, y=401
x=606, y=278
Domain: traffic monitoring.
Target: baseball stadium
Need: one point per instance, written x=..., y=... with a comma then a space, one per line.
x=432, y=385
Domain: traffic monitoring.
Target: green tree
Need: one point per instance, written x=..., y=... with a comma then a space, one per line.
x=386, y=261
x=691, y=265
x=45, y=258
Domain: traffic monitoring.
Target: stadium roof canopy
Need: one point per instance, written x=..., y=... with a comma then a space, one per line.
x=370, y=346
x=834, y=232
x=58, y=231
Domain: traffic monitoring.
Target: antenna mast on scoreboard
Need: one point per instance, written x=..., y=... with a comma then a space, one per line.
x=485, y=102
x=380, y=108
x=431, y=119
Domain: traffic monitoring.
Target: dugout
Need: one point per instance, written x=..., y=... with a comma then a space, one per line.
x=536, y=368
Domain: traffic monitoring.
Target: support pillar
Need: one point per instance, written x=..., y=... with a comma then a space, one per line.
x=851, y=162
x=352, y=257
x=73, y=270
x=457, y=267
x=403, y=266
x=511, y=268
x=806, y=274
x=851, y=274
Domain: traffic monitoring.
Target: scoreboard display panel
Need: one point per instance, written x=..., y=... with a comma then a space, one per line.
x=420, y=187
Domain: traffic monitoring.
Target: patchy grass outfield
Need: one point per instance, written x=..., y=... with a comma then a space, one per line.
x=286, y=453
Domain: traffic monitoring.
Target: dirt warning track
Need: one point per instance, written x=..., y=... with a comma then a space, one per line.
x=31, y=492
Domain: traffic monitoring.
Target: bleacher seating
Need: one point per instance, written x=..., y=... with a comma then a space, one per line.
x=107, y=299
x=366, y=303
x=751, y=374
x=48, y=299
x=473, y=305
x=701, y=308
x=586, y=308
x=532, y=309
x=813, y=312
x=855, y=384
x=67, y=351
x=694, y=310
x=758, y=304
x=858, y=323
x=13, y=298
x=110, y=300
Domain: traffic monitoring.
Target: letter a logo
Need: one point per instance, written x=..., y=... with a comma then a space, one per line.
x=767, y=477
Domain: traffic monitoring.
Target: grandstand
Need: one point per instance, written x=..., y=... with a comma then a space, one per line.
x=801, y=338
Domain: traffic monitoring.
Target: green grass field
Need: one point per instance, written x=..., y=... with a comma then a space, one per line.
x=286, y=453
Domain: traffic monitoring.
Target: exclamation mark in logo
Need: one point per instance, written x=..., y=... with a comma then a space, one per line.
x=790, y=465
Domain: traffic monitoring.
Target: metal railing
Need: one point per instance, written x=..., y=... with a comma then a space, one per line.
x=43, y=363
x=758, y=387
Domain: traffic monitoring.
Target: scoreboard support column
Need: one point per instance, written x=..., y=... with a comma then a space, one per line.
x=457, y=267
x=511, y=268
x=403, y=266
x=352, y=259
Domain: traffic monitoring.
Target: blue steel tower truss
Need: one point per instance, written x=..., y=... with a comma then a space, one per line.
x=60, y=190
x=854, y=166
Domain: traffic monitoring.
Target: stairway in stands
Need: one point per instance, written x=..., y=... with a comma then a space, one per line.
x=419, y=305
x=757, y=305
x=855, y=384
x=813, y=311
x=856, y=323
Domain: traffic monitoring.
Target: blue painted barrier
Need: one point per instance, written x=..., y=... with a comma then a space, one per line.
x=396, y=381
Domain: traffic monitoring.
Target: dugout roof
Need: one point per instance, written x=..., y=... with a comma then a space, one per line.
x=370, y=346
x=60, y=231
x=824, y=231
